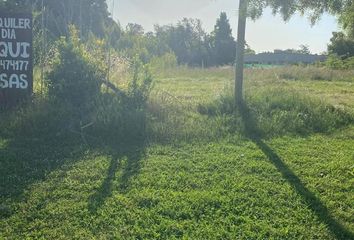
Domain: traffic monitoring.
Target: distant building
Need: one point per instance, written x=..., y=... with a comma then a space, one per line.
x=280, y=57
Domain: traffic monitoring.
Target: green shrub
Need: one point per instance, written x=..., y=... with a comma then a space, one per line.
x=123, y=118
x=111, y=118
x=76, y=75
x=335, y=62
x=140, y=85
x=349, y=63
x=224, y=104
x=75, y=88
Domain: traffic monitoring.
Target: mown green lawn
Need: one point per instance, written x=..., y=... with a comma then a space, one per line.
x=229, y=187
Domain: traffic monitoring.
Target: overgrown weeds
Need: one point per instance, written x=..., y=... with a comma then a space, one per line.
x=278, y=112
x=77, y=103
x=312, y=73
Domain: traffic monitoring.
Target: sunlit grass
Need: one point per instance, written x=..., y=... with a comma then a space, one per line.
x=197, y=175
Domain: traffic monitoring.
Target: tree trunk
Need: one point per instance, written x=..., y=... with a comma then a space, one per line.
x=240, y=52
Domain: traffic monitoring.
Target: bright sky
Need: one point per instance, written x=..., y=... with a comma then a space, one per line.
x=266, y=34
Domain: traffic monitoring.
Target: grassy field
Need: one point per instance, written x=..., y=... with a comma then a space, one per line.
x=282, y=169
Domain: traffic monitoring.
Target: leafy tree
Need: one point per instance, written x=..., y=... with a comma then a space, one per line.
x=113, y=31
x=90, y=17
x=86, y=15
x=134, y=29
x=249, y=50
x=224, y=43
x=287, y=8
x=14, y=5
x=134, y=43
x=341, y=45
x=187, y=40
x=347, y=20
x=304, y=49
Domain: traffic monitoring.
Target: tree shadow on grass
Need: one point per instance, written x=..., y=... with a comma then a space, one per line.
x=126, y=156
x=27, y=157
x=314, y=203
x=40, y=139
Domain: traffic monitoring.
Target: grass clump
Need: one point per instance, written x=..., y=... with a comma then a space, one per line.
x=279, y=112
x=276, y=112
x=296, y=73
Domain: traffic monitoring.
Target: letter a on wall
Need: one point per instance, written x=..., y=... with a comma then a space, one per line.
x=16, y=57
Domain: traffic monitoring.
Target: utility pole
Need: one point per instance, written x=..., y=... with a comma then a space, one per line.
x=43, y=48
x=240, y=51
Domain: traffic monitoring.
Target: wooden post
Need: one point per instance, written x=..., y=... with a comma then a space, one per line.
x=241, y=31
